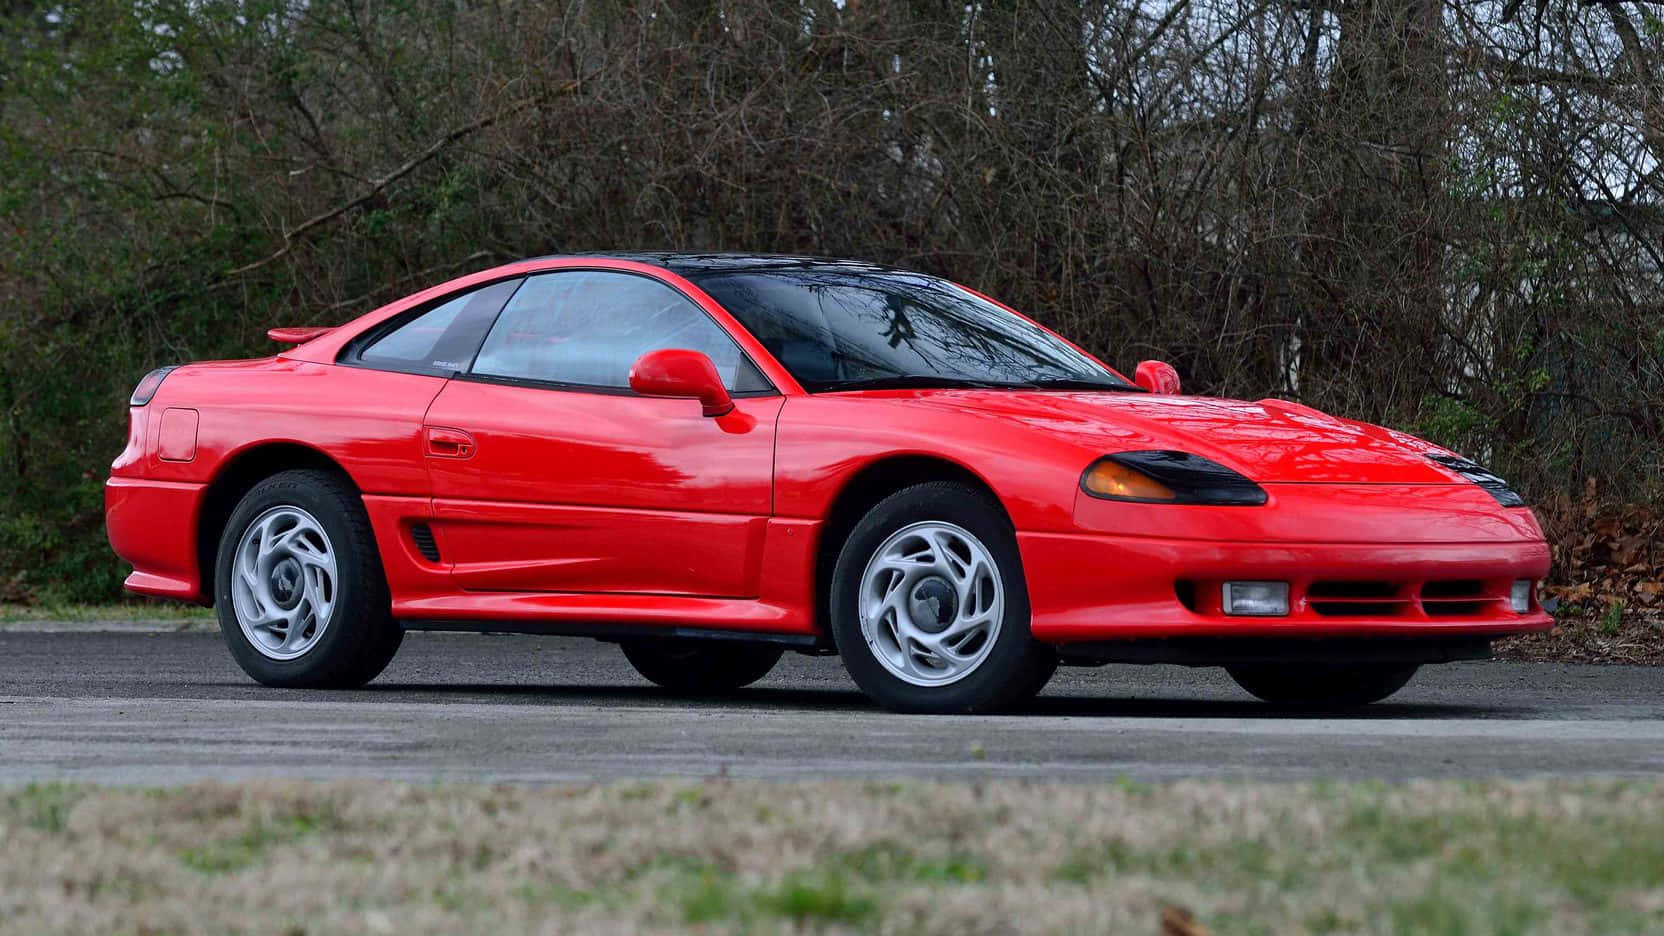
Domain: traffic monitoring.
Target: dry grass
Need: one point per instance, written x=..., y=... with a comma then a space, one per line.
x=881, y=857
x=170, y=614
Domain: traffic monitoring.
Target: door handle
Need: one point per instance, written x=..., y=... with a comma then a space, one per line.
x=449, y=443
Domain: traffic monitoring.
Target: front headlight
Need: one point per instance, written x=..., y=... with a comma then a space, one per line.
x=1493, y=485
x=1167, y=477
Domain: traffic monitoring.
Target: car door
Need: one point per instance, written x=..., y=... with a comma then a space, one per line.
x=550, y=475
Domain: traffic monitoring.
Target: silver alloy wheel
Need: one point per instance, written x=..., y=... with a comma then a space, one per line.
x=283, y=582
x=931, y=603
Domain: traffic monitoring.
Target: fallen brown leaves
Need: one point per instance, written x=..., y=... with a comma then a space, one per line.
x=1604, y=553
x=1177, y=921
x=1628, y=636
x=1606, y=585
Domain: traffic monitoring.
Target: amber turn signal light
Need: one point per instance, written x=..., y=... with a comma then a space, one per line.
x=1161, y=476
x=1110, y=479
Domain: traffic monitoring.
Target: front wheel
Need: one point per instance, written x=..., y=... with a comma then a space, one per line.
x=700, y=667
x=1318, y=686
x=298, y=585
x=929, y=608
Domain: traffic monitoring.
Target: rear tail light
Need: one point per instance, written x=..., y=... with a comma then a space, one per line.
x=147, y=387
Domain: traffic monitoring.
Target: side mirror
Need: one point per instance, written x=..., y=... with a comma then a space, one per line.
x=1157, y=377
x=677, y=372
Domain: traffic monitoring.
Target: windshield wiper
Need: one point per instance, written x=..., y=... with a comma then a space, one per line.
x=916, y=381
x=939, y=382
x=1080, y=383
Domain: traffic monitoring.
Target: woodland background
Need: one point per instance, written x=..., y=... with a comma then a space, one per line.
x=1443, y=216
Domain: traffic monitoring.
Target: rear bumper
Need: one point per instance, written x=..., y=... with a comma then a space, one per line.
x=153, y=524
x=1096, y=587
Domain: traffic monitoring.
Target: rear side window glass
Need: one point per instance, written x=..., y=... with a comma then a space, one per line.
x=587, y=327
x=444, y=338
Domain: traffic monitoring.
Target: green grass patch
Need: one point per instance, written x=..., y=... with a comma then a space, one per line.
x=815, y=896
x=44, y=807
x=544, y=893
x=250, y=848
x=894, y=861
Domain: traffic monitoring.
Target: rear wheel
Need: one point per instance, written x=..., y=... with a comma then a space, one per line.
x=929, y=607
x=1315, y=686
x=700, y=667
x=299, y=588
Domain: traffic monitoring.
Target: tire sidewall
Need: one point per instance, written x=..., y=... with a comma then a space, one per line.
x=1004, y=670
x=288, y=490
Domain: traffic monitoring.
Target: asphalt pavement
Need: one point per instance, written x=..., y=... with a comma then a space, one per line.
x=153, y=708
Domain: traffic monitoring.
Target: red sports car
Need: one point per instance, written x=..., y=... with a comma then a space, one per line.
x=711, y=459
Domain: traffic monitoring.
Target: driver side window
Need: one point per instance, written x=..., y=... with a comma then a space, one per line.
x=587, y=327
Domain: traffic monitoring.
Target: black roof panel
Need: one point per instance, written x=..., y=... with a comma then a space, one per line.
x=687, y=263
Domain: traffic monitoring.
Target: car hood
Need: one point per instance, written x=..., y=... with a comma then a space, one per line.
x=1271, y=441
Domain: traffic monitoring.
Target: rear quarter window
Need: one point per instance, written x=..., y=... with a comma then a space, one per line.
x=441, y=339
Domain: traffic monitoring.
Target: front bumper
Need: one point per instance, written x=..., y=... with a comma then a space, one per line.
x=1095, y=587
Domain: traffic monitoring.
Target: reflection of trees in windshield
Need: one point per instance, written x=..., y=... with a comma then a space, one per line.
x=900, y=329
x=830, y=328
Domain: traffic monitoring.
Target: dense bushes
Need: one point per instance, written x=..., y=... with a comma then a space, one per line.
x=1446, y=220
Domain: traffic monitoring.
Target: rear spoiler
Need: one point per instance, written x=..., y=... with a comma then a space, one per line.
x=297, y=336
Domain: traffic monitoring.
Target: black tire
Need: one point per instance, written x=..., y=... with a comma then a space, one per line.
x=360, y=636
x=700, y=667
x=1014, y=668
x=1319, y=686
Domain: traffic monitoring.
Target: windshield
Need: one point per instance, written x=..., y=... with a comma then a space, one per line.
x=843, y=330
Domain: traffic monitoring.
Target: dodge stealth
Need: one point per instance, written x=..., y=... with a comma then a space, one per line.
x=713, y=459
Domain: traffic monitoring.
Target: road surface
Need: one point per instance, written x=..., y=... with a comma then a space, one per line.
x=167, y=708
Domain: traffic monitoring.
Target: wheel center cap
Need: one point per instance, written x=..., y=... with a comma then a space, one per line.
x=933, y=604
x=285, y=581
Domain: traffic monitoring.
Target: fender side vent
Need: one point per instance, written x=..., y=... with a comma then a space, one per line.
x=422, y=535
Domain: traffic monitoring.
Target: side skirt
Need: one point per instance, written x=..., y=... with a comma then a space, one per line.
x=804, y=643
